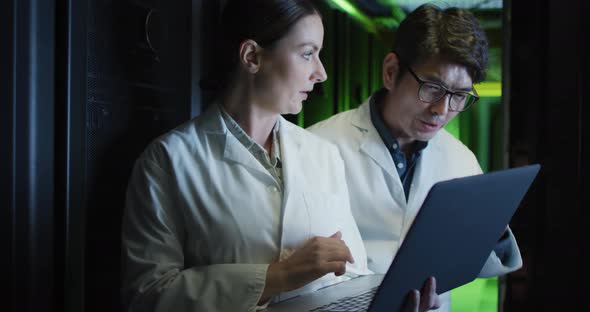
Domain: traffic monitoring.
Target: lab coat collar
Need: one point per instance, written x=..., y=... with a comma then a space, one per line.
x=212, y=121
x=372, y=146
x=233, y=149
x=371, y=143
x=292, y=159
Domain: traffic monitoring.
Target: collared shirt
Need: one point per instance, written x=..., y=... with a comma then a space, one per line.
x=272, y=163
x=405, y=167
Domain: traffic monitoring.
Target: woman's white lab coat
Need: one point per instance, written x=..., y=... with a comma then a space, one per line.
x=377, y=195
x=204, y=218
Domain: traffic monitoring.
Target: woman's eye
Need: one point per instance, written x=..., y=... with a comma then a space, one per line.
x=307, y=55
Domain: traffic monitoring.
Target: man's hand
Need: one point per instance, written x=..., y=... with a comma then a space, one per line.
x=505, y=235
x=318, y=257
x=425, y=300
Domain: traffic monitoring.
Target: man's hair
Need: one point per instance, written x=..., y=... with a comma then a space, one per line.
x=452, y=34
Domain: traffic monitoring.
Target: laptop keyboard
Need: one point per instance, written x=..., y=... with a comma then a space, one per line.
x=356, y=303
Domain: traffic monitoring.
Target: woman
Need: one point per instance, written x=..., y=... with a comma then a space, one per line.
x=238, y=207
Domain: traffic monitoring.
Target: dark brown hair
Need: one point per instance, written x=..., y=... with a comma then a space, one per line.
x=452, y=34
x=264, y=21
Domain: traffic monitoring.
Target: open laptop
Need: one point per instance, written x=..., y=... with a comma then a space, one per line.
x=459, y=222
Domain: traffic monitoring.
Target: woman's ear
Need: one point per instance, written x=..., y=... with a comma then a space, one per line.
x=250, y=56
x=391, y=68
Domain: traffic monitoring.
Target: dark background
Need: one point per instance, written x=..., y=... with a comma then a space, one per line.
x=82, y=91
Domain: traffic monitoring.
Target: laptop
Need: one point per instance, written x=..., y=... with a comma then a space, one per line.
x=460, y=222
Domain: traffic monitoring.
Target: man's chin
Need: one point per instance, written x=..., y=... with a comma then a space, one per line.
x=426, y=136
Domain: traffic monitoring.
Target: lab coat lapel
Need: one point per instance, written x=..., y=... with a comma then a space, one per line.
x=424, y=177
x=235, y=151
x=374, y=149
x=421, y=184
x=294, y=214
x=232, y=149
x=371, y=143
x=291, y=158
x=372, y=146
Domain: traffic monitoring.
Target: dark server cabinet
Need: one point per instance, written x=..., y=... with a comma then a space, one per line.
x=549, y=100
x=84, y=87
x=27, y=97
x=137, y=84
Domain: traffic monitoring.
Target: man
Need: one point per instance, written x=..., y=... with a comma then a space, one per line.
x=394, y=146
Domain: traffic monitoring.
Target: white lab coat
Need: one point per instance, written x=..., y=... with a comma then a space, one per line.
x=377, y=194
x=204, y=218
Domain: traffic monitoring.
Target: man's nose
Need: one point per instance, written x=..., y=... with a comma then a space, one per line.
x=441, y=107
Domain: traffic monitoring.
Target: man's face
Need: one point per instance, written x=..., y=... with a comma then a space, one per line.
x=406, y=115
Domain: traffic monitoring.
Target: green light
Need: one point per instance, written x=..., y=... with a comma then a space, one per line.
x=355, y=13
x=481, y=295
x=489, y=89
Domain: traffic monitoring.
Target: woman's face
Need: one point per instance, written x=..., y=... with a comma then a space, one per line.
x=289, y=70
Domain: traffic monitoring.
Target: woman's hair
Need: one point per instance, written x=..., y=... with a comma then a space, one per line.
x=452, y=34
x=264, y=21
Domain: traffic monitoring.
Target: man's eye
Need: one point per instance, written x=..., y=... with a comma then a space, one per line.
x=432, y=87
x=460, y=96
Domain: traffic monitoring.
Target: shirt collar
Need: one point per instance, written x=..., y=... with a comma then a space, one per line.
x=250, y=144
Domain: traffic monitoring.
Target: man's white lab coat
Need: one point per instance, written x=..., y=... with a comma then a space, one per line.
x=204, y=218
x=377, y=195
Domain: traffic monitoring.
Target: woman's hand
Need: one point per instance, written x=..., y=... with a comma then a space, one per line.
x=318, y=257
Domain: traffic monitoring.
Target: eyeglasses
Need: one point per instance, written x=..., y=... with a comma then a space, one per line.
x=431, y=92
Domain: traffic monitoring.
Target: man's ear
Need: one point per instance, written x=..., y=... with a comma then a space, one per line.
x=391, y=68
x=250, y=56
